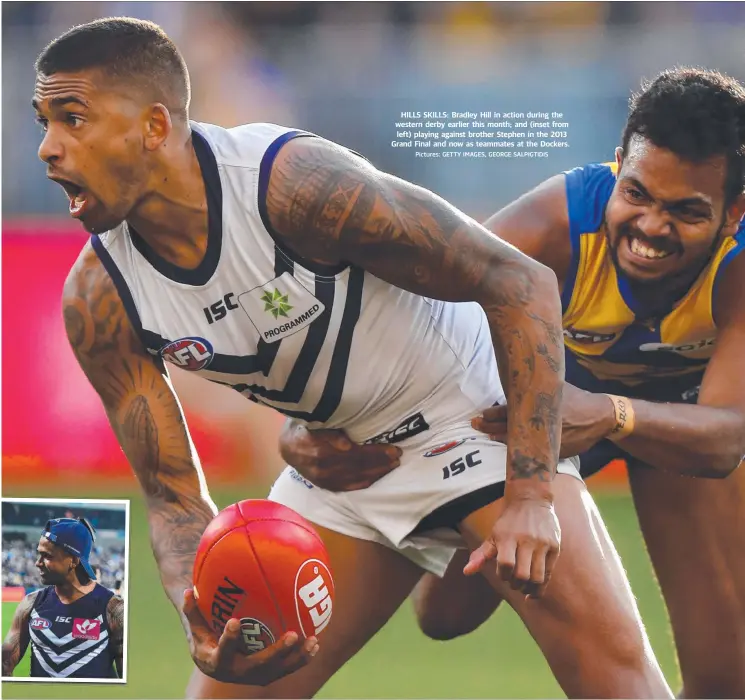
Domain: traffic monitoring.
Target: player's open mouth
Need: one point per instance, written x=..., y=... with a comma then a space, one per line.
x=645, y=251
x=77, y=195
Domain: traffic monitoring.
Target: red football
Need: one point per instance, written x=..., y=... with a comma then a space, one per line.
x=264, y=564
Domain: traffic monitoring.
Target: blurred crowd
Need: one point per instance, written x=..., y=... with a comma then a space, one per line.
x=37, y=514
x=346, y=70
x=19, y=569
x=23, y=523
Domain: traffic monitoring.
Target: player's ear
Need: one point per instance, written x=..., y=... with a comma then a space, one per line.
x=733, y=215
x=619, y=158
x=158, y=126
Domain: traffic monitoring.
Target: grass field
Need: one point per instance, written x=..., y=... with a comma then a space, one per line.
x=498, y=660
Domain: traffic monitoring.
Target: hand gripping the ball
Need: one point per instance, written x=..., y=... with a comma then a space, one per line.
x=225, y=660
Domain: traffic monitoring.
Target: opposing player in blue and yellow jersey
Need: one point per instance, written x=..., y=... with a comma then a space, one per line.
x=648, y=251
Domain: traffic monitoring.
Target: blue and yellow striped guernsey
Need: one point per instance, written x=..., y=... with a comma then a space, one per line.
x=604, y=339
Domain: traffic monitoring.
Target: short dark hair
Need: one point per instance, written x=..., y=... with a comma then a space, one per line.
x=82, y=575
x=697, y=114
x=127, y=49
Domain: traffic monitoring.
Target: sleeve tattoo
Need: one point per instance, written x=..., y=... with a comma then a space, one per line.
x=147, y=419
x=331, y=206
x=17, y=639
x=115, y=615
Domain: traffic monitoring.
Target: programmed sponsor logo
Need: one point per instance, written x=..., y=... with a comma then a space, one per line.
x=413, y=425
x=188, y=353
x=280, y=307
x=314, y=587
x=289, y=325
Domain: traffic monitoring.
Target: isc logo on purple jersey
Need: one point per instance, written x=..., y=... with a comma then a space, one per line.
x=188, y=353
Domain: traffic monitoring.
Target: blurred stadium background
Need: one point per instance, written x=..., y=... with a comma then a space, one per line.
x=22, y=525
x=345, y=71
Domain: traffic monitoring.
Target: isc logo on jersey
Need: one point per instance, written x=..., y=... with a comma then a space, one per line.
x=188, y=353
x=313, y=587
x=280, y=307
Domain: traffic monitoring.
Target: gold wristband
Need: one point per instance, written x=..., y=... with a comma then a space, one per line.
x=624, y=411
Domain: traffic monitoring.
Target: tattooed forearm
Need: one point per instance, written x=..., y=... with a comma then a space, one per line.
x=11, y=652
x=146, y=418
x=115, y=614
x=154, y=438
x=331, y=206
x=525, y=467
x=17, y=639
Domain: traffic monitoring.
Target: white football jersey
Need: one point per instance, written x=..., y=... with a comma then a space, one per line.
x=335, y=347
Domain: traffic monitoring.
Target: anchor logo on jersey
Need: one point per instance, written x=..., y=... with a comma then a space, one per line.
x=86, y=629
x=188, y=353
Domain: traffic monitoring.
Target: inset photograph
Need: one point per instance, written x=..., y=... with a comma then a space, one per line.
x=64, y=592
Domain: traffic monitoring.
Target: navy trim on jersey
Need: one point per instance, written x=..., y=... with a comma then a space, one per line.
x=265, y=170
x=229, y=364
x=121, y=286
x=298, y=378
x=624, y=287
x=588, y=190
x=332, y=392
x=267, y=352
x=262, y=361
x=727, y=259
x=55, y=650
x=201, y=274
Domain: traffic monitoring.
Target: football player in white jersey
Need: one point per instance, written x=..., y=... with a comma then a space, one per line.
x=112, y=97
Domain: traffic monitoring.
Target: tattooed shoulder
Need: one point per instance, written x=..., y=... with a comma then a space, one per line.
x=95, y=320
x=315, y=185
x=115, y=611
x=28, y=601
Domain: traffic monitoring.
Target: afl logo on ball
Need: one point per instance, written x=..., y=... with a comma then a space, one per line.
x=188, y=353
x=313, y=596
x=256, y=635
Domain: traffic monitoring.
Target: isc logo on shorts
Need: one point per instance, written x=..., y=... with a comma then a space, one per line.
x=188, y=353
x=313, y=584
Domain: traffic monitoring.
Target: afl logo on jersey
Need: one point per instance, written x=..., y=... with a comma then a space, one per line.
x=188, y=353
x=40, y=623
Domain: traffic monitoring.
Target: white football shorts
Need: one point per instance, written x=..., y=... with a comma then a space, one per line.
x=429, y=478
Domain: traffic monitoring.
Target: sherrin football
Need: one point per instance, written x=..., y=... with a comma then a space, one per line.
x=264, y=564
